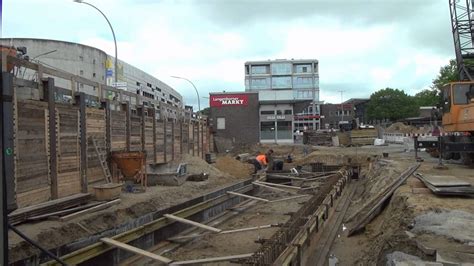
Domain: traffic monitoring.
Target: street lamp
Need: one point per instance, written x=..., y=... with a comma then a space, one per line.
x=113, y=34
x=197, y=93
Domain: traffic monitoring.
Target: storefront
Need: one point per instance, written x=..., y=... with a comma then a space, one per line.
x=276, y=123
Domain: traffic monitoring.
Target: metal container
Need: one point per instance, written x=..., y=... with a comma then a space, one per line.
x=130, y=163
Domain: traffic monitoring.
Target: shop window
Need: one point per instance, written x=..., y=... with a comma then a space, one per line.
x=221, y=123
x=284, y=130
x=267, y=130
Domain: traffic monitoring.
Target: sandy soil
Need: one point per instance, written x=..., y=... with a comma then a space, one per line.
x=133, y=205
x=388, y=232
x=214, y=245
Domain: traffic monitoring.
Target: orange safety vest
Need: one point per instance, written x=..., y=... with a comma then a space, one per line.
x=262, y=159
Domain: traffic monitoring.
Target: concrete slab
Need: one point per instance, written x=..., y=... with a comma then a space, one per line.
x=446, y=181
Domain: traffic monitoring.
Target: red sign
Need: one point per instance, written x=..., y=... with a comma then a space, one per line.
x=228, y=100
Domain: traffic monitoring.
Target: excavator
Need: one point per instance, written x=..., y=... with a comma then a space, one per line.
x=458, y=97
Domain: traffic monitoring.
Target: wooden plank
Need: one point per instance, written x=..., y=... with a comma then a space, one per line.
x=135, y=250
x=63, y=212
x=186, y=221
x=22, y=214
x=215, y=259
x=277, y=185
x=291, y=198
x=376, y=205
x=90, y=210
x=247, y=196
x=249, y=229
x=273, y=188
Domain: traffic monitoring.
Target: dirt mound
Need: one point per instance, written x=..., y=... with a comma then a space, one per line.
x=196, y=165
x=399, y=127
x=407, y=129
x=233, y=167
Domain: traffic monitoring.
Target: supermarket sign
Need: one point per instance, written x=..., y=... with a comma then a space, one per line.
x=228, y=100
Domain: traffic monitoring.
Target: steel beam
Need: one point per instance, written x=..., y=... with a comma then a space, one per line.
x=81, y=101
x=7, y=181
x=49, y=96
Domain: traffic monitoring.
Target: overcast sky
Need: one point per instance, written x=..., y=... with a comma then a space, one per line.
x=362, y=45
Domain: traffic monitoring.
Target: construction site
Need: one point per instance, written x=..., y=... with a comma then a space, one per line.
x=109, y=176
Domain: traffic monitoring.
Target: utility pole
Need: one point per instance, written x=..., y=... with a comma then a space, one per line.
x=342, y=105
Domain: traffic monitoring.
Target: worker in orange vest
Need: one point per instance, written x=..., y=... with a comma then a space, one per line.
x=263, y=160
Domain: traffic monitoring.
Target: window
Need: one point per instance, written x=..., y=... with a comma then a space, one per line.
x=260, y=83
x=267, y=112
x=158, y=88
x=259, y=69
x=246, y=70
x=81, y=86
x=81, y=72
x=302, y=82
x=279, y=112
x=284, y=130
x=93, y=61
x=138, y=84
x=303, y=94
x=302, y=68
x=281, y=82
x=267, y=130
x=149, y=85
x=93, y=75
x=461, y=92
x=221, y=123
x=81, y=58
x=288, y=112
x=281, y=68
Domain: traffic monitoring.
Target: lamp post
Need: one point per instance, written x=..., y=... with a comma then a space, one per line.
x=197, y=93
x=113, y=34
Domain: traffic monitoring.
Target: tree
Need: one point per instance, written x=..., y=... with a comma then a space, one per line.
x=447, y=74
x=427, y=98
x=206, y=111
x=391, y=104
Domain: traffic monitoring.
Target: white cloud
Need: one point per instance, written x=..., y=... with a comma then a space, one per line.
x=178, y=38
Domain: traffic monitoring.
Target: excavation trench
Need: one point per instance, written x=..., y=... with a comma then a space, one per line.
x=283, y=221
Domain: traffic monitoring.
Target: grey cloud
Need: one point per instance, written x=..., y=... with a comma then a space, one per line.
x=426, y=23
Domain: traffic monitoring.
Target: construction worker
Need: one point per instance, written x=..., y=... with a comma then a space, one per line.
x=262, y=160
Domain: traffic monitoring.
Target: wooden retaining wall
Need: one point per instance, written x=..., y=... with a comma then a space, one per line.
x=38, y=180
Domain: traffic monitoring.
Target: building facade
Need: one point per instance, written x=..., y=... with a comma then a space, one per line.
x=96, y=65
x=235, y=116
x=334, y=114
x=287, y=82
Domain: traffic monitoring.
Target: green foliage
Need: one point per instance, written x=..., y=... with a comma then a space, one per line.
x=391, y=104
x=427, y=98
x=206, y=111
x=447, y=74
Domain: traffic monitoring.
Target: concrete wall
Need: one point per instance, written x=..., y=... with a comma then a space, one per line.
x=241, y=122
x=91, y=63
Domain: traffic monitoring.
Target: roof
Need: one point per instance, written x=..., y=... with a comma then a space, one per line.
x=355, y=101
x=269, y=61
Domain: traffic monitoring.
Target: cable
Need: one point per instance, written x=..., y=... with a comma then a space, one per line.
x=32, y=242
